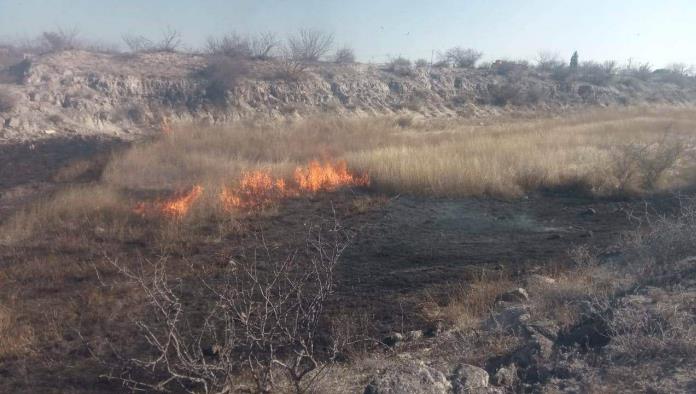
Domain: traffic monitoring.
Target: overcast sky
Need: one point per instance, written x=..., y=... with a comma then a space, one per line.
x=658, y=31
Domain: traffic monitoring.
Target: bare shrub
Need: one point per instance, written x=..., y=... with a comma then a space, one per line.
x=310, y=45
x=660, y=331
x=642, y=165
x=231, y=45
x=263, y=45
x=461, y=57
x=400, y=66
x=60, y=40
x=8, y=101
x=262, y=316
x=422, y=63
x=510, y=68
x=642, y=71
x=289, y=67
x=345, y=55
x=505, y=93
x=170, y=41
x=548, y=61
x=597, y=73
x=223, y=74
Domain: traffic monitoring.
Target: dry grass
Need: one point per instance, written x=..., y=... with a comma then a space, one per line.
x=586, y=151
x=468, y=303
x=16, y=338
x=87, y=208
x=448, y=159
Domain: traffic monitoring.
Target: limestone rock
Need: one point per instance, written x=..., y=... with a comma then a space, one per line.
x=409, y=377
x=467, y=378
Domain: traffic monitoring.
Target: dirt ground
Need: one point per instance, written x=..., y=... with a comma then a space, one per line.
x=406, y=249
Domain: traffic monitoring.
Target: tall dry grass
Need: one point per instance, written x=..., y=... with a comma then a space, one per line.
x=602, y=151
x=438, y=158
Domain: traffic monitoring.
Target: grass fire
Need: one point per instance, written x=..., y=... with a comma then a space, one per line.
x=196, y=211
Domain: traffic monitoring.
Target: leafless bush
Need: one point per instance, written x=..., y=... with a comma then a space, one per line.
x=345, y=55
x=597, y=73
x=659, y=331
x=400, y=66
x=509, y=68
x=170, y=41
x=223, y=74
x=548, y=61
x=290, y=68
x=263, y=45
x=505, y=93
x=642, y=71
x=641, y=166
x=310, y=45
x=60, y=40
x=422, y=63
x=461, y=57
x=263, y=316
x=8, y=101
x=231, y=45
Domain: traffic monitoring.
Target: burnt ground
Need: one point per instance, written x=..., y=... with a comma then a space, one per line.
x=28, y=170
x=406, y=250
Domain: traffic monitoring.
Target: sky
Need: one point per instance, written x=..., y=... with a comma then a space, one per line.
x=655, y=31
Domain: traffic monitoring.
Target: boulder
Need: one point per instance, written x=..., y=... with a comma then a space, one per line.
x=409, y=377
x=515, y=295
x=469, y=378
x=511, y=318
x=414, y=335
x=536, y=280
x=505, y=376
x=538, y=348
x=544, y=327
x=393, y=339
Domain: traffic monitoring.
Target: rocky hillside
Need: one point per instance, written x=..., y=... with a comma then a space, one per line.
x=123, y=96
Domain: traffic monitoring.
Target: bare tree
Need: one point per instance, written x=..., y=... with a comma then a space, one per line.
x=137, y=44
x=169, y=42
x=263, y=45
x=345, y=55
x=59, y=40
x=310, y=45
x=548, y=61
x=461, y=57
x=232, y=45
x=263, y=317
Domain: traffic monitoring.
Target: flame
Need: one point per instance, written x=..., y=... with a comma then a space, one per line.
x=328, y=177
x=258, y=189
x=179, y=206
x=176, y=207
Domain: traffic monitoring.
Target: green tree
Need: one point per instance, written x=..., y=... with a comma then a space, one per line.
x=574, y=60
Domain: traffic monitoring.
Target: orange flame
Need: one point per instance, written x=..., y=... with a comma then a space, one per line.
x=179, y=206
x=329, y=177
x=258, y=189
x=176, y=207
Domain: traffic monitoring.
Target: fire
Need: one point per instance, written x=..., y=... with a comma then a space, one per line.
x=179, y=206
x=258, y=189
x=329, y=177
x=176, y=207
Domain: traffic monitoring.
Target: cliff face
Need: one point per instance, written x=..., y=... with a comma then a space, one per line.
x=124, y=96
